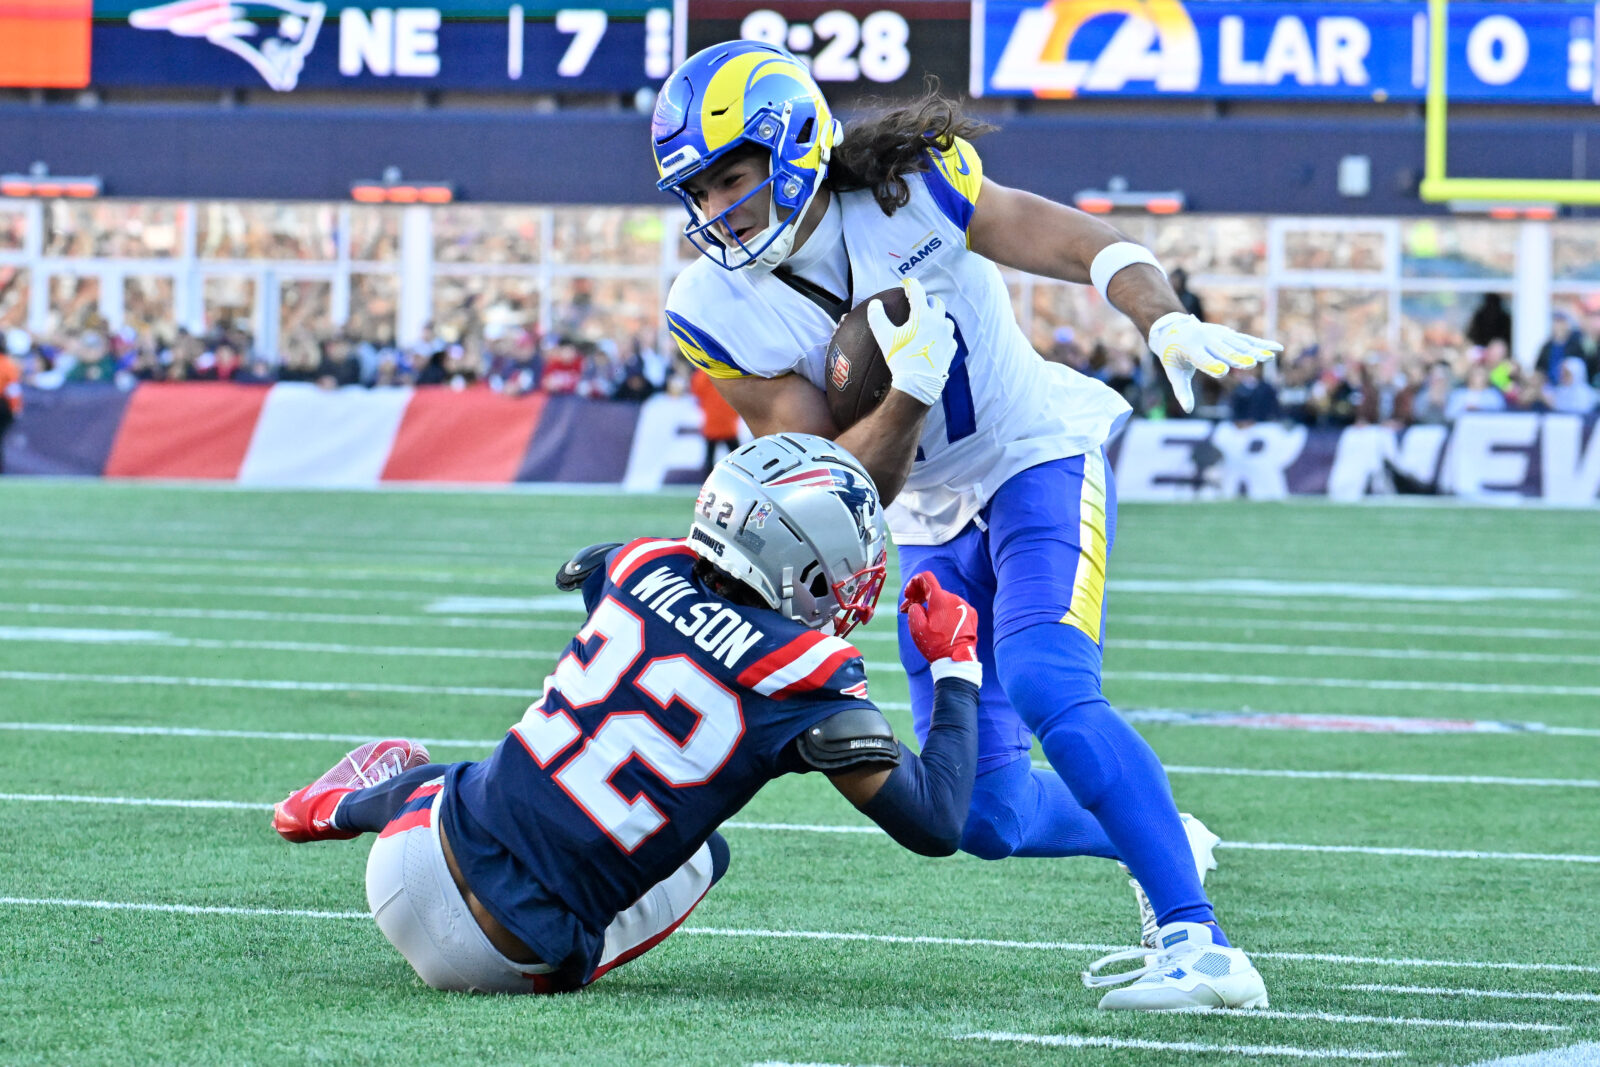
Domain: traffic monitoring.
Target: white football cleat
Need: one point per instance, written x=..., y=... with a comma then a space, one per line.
x=1189, y=972
x=1202, y=843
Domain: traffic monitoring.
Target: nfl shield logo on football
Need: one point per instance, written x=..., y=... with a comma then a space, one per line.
x=841, y=369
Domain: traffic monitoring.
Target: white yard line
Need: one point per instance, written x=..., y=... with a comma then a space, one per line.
x=288, y=685
x=241, y=735
x=249, y=615
x=823, y=935
x=1336, y=722
x=1386, y=593
x=131, y=802
x=1379, y=684
x=62, y=635
x=817, y=828
x=1381, y=1020
x=1378, y=776
x=1246, y=648
x=1081, y=1041
x=158, y=639
x=1235, y=622
x=1244, y=772
x=207, y=589
x=1376, y=684
x=338, y=571
x=1489, y=994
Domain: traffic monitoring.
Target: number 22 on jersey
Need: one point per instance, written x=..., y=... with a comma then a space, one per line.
x=630, y=734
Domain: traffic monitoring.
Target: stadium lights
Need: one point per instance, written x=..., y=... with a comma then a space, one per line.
x=1116, y=196
x=40, y=183
x=391, y=190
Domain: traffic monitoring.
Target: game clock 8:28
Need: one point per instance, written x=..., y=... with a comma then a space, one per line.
x=840, y=46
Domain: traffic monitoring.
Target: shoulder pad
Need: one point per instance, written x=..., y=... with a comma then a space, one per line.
x=573, y=572
x=853, y=737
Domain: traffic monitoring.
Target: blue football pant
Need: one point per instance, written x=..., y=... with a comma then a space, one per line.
x=1034, y=567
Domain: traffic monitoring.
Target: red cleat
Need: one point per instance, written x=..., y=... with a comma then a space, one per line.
x=307, y=815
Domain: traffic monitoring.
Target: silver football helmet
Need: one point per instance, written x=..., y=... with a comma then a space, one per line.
x=796, y=518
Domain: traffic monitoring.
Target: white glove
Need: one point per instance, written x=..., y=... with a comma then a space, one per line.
x=918, y=353
x=1184, y=345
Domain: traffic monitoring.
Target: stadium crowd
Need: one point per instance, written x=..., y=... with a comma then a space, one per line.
x=1453, y=375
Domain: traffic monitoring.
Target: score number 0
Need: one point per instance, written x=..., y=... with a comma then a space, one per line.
x=874, y=48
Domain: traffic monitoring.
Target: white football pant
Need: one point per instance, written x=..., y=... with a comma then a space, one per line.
x=422, y=913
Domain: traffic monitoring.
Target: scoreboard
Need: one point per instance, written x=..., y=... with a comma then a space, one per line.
x=1505, y=51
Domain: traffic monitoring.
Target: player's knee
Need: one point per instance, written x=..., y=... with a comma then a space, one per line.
x=994, y=826
x=1051, y=673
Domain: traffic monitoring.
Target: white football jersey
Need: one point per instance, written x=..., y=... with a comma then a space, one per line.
x=1004, y=408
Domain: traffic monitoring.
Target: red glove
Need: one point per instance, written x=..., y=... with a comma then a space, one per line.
x=944, y=627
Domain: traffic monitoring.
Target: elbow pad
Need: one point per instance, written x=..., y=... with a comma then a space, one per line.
x=851, y=738
x=574, y=572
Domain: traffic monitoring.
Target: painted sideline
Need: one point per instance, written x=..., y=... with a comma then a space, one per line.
x=1080, y=1041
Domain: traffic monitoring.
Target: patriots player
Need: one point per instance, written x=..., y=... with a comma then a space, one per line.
x=707, y=667
x=993, y=458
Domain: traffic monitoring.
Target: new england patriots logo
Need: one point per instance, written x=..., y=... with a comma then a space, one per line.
x=282, y=49
x=847, y=485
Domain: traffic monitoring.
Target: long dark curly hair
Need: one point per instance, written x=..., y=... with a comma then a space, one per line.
x=878, y=152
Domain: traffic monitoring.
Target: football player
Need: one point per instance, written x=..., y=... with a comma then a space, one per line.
x=707, y=667
x=993, y=458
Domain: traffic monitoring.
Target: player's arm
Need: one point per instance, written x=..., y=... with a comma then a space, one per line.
x=921, y=801
x=885, y=442
x=1026, y=232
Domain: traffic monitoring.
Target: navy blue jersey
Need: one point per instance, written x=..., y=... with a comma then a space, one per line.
x=668, y=711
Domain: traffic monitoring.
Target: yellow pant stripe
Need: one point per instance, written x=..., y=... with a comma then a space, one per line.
x=1089, y=585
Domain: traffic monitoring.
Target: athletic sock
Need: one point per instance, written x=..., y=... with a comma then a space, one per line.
x=370, y=809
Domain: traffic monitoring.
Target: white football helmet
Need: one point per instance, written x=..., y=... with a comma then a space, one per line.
x=797, y=519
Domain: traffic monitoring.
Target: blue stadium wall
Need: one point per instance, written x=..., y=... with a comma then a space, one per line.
x=1228, y=165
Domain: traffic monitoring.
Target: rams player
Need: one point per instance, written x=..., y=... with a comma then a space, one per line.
x=708, y=666
x=992, y=457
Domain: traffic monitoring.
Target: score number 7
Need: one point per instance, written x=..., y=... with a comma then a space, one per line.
x=587, y=26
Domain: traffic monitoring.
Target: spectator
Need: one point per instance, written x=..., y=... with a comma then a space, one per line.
x=1490, y=321
x=1572, y=394
x=721, y=425
x=1564, y=341
x=563, y=369
x=10, y=393
x=1191, y=302
x=1253, y=399
x=1476, y=395
x=1430, y=399
x=1587, y=345
x=339, y=365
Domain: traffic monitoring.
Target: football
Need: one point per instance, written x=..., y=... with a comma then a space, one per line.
x=857, y=376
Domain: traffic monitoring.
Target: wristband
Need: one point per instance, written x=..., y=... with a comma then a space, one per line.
x=967, y=670
x=1114, y=257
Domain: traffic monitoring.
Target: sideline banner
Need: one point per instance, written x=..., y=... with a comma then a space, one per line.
x=1500, y=457
x=294, y=434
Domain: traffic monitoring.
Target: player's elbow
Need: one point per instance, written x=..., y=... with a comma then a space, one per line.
x=942, y=837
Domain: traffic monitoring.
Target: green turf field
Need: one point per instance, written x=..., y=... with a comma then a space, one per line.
x=213, y=649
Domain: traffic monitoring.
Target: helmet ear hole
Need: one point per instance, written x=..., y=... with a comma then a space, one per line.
x=819, y=586
x=807, y=128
